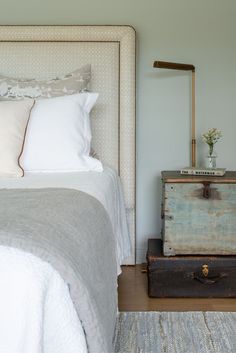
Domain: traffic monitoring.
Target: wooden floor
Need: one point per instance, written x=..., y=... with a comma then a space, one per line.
x=133, y=296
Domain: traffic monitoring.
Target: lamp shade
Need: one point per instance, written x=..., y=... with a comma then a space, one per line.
x=173, y=66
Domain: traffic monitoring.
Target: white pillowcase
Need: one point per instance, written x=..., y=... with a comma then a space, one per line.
x=58, y=135
x=14, y=117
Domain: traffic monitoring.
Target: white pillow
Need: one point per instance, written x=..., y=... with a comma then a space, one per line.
x=58, y=135
x=14, y=117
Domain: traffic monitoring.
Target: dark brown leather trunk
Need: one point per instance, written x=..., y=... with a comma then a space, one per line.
x=189, y=276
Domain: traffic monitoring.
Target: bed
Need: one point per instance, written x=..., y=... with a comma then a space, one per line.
x=79, y=299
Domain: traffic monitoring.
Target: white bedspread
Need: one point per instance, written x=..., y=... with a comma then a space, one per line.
x=36, y=312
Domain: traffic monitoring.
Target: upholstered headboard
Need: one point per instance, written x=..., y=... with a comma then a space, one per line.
x=49, y=51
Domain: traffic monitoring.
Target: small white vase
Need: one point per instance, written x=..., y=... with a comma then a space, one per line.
x=211, y=161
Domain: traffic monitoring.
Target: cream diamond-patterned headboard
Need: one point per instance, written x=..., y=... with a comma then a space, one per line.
x=48, y=51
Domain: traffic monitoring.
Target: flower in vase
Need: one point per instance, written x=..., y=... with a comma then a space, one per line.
x=211, y=137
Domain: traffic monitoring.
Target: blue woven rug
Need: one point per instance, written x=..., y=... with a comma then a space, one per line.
x=178, y=332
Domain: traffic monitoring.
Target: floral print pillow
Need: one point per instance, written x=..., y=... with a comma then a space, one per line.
x=74, y=82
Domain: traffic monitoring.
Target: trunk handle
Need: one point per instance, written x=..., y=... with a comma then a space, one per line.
x=204, y=277
x=209, y=279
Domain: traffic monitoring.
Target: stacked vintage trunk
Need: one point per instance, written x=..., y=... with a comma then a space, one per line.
x=197, y=257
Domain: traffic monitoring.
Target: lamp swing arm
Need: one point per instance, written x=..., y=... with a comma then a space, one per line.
x=184, y=67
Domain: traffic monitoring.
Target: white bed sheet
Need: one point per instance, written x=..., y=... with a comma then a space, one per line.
x=104, y=186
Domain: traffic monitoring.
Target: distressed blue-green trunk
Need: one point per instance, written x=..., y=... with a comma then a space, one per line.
x=193, y=224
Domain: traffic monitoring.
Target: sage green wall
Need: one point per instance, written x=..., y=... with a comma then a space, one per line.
x=197, y=32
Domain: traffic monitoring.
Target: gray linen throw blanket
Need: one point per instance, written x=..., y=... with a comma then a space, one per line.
x=72, y=231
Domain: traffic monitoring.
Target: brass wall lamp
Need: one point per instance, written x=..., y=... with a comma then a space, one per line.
x=184, y=67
